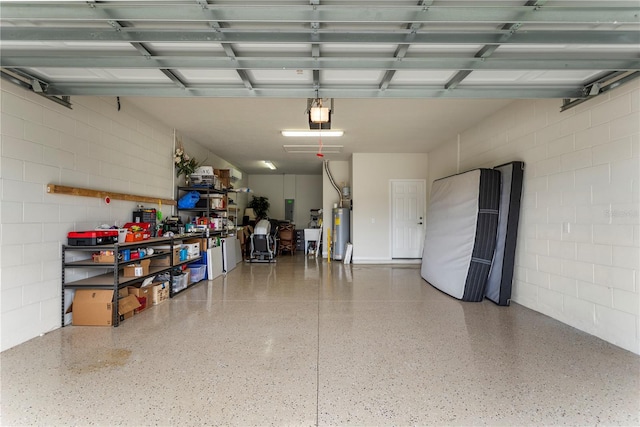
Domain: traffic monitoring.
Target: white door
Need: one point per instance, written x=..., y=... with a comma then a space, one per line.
x=407, y=218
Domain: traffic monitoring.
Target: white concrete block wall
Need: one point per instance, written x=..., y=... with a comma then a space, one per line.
x=93, y=146
x=578, y=256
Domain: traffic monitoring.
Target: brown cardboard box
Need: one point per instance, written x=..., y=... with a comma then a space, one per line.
x=92, y=307
x=127, y=306
x=104, y=258
x=143, y=295
x=159, y=292
x=140, y=268
x=165, y=260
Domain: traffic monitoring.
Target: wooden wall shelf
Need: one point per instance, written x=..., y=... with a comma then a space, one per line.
x=100, y=194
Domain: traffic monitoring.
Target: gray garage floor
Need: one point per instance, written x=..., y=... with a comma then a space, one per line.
x=302, y=343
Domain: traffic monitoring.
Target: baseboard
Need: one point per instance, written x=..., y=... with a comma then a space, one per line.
x=386, y=260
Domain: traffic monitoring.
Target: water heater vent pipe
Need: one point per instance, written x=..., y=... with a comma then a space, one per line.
x=326, y=168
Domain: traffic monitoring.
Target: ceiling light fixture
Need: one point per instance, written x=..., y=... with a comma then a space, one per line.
x=269, y=164
x=316, y=133
x=319, y=115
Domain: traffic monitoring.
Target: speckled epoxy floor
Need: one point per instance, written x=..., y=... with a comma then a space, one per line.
x=304, y=343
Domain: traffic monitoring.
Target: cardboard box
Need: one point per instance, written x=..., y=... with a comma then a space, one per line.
x=202, y=243
x=141, y=268
x=159, y=292
x=165, y=260
x=92, y=307
x=193, y=250
x=203, y=170
x=127, y=306
x=143, y=295
x=104, y=257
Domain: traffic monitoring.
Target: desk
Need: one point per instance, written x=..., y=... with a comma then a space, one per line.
x=312, y=235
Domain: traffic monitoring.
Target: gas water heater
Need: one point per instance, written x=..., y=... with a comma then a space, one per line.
x=340, y=232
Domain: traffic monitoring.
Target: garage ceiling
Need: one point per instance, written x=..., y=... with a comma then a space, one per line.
x=405, y=76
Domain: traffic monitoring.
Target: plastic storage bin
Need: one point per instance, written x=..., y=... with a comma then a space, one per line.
x=198, y=272
x=180, y=282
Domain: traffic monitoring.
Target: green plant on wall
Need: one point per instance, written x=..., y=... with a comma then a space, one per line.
x=260, y=206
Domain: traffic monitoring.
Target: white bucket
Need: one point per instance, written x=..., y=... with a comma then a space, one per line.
x=122, y=235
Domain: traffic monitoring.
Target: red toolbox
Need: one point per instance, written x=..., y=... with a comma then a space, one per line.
x=92, y=238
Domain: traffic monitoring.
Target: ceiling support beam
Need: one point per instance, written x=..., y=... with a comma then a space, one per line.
x=228, y=49
x=107, y=60
x=488, y=50
x=140, y=47
x=315, y=56
x=401, y=51
x=304, y=36
x=625, y=12
x=542, y=49
x=315, y=52
x=305, y=91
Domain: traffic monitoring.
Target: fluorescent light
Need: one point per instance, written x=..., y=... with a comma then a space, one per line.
x=322, y=133
x=269, y=164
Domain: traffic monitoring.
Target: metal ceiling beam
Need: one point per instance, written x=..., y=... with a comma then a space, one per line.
x=228, y=49
x=315, y=49
x=488, y=50
x=328, y=91
x=303, y=36
x=401, y=50
x=582, y=12
x=538, y=62
x=140, y=47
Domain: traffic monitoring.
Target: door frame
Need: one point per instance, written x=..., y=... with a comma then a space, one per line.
x=391, y=206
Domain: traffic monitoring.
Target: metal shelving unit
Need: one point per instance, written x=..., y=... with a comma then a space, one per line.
x=113, y=280
x=205, y=211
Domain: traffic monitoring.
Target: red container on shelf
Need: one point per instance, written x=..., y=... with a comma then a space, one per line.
x=144, y=231
x=92, y=238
